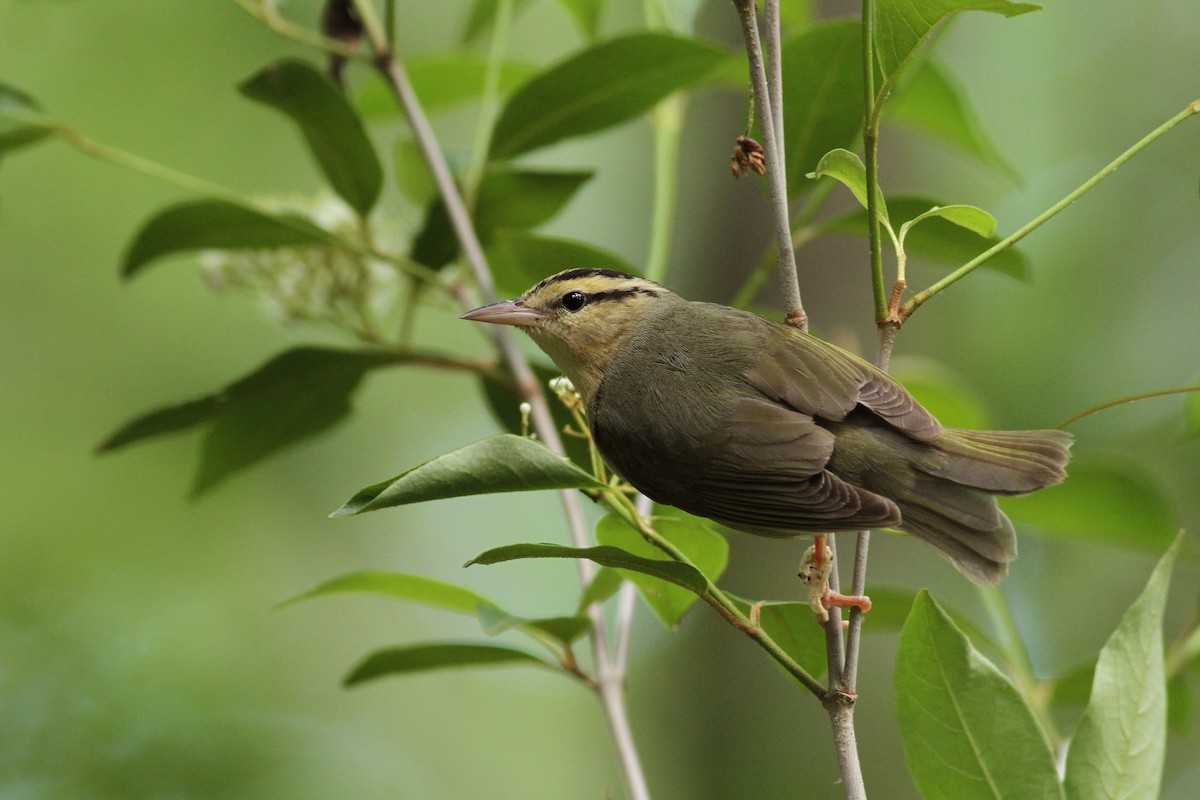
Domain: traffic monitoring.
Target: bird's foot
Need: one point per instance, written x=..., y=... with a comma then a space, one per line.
x=815, y=569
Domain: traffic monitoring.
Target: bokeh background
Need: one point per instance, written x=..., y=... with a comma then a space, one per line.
x=141, y=651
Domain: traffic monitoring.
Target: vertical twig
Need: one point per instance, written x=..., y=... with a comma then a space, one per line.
x=776, y=170
x=610, y=683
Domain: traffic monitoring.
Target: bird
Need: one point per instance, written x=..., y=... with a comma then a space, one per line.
x=765, y=429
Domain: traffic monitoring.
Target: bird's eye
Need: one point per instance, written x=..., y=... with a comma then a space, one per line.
x=573, y=301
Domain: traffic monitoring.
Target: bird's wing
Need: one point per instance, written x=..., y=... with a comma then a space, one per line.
x=765, y=472
x=821, y=380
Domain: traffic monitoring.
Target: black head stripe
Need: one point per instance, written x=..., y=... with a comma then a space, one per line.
x=575, y=274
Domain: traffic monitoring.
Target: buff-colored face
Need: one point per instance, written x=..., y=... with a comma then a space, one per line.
x=578, y=317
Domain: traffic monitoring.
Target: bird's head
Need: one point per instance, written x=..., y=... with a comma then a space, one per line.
x=579, y=317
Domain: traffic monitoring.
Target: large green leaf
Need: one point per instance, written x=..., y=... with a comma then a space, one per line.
x=671, y=571
x=334, y=133
x=794, y=627
x=967, y=731
x=937, y=239
x=901, y=26
x=598, y=88
x=215, y=224
x=822, y=86
x=519, y=259
x=932, y=103
x=695, y=537
x=509, y=199
x=292, y=397
x=441, y=655
x=16, y=128
x=1110, y=503
x=502, y=463
x=1118, y=748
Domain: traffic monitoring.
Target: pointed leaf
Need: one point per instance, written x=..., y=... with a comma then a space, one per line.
x=934, y=104
x=518, y=259
x=598, y=88
x=215, y=224
x=1112, y=503
x=17, y=126
x=410, y=588
x=504, y=401
x=604, y=585
x=937, y=239
x=292, y=397
x=671, y=571
x=847, y=167
x=970, y=218
x=1118, y=748
x=561, y=629
x=967, y=731
x=901, y=26
x=795, y=628
x=516, y=199
x=695, y=537
x=503, y=463
x=425, y=657
x=822, y=81
x=334, y=133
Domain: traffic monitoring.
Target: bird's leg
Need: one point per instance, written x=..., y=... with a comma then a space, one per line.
x=815, y=568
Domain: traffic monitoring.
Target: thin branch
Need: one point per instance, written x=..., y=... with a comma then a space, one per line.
x=776, y=170
x=610, y=684
x=265, y=12
x=918, y=299
x=1120, y=401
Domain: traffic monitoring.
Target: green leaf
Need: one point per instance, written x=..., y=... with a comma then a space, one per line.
x=410, y=588
x=794, y=627
x=695, y=537
x=509, y=199
x=848, y=168
x=970, y=218
x=901, y=26
x=215, y=224
x=561, y=629
x=519, y=259
x=440, y=82
x=483, y=13
x=937, y=239
x=1191, y=414
x=1110, y=503
x=17, y=128
x=891, y=606
x=502, y=463
x=967, y=731
x=672, y=571
x=822, y=81
x=334, y=133
x=604, y=585
x=586, y=14
x=425, y=657
x=1119, y=745
x=292, y=397
x=602, y=86
x=945, y=393
x=933, y=103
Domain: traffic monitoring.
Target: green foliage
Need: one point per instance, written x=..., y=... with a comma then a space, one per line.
x=967, y=731
x=603, y=86
x=292, y=397
x=441, y=81
x=502, y=463
x=848, y=169
x=694, y=537
x=673, y=572
x=333, y=131
x=215, y=224
x=425, y=657
x=1118, y=748
x=17, y=130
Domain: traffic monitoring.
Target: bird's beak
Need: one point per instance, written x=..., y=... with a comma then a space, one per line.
x=506, y=312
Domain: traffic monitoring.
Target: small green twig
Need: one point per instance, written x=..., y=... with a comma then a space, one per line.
x=1120, y=401
x=918, y=299
x=871, y=160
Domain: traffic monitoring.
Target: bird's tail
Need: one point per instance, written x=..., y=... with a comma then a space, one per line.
x=950, y=504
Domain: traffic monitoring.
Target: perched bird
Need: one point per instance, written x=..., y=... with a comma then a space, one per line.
x=765, y=429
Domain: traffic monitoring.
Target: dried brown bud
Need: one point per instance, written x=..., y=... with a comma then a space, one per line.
x=747, y=155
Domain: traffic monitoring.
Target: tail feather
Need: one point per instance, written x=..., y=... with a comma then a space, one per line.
x=1001, y=462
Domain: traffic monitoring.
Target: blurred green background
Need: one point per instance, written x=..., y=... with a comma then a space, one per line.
x=141, y=653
